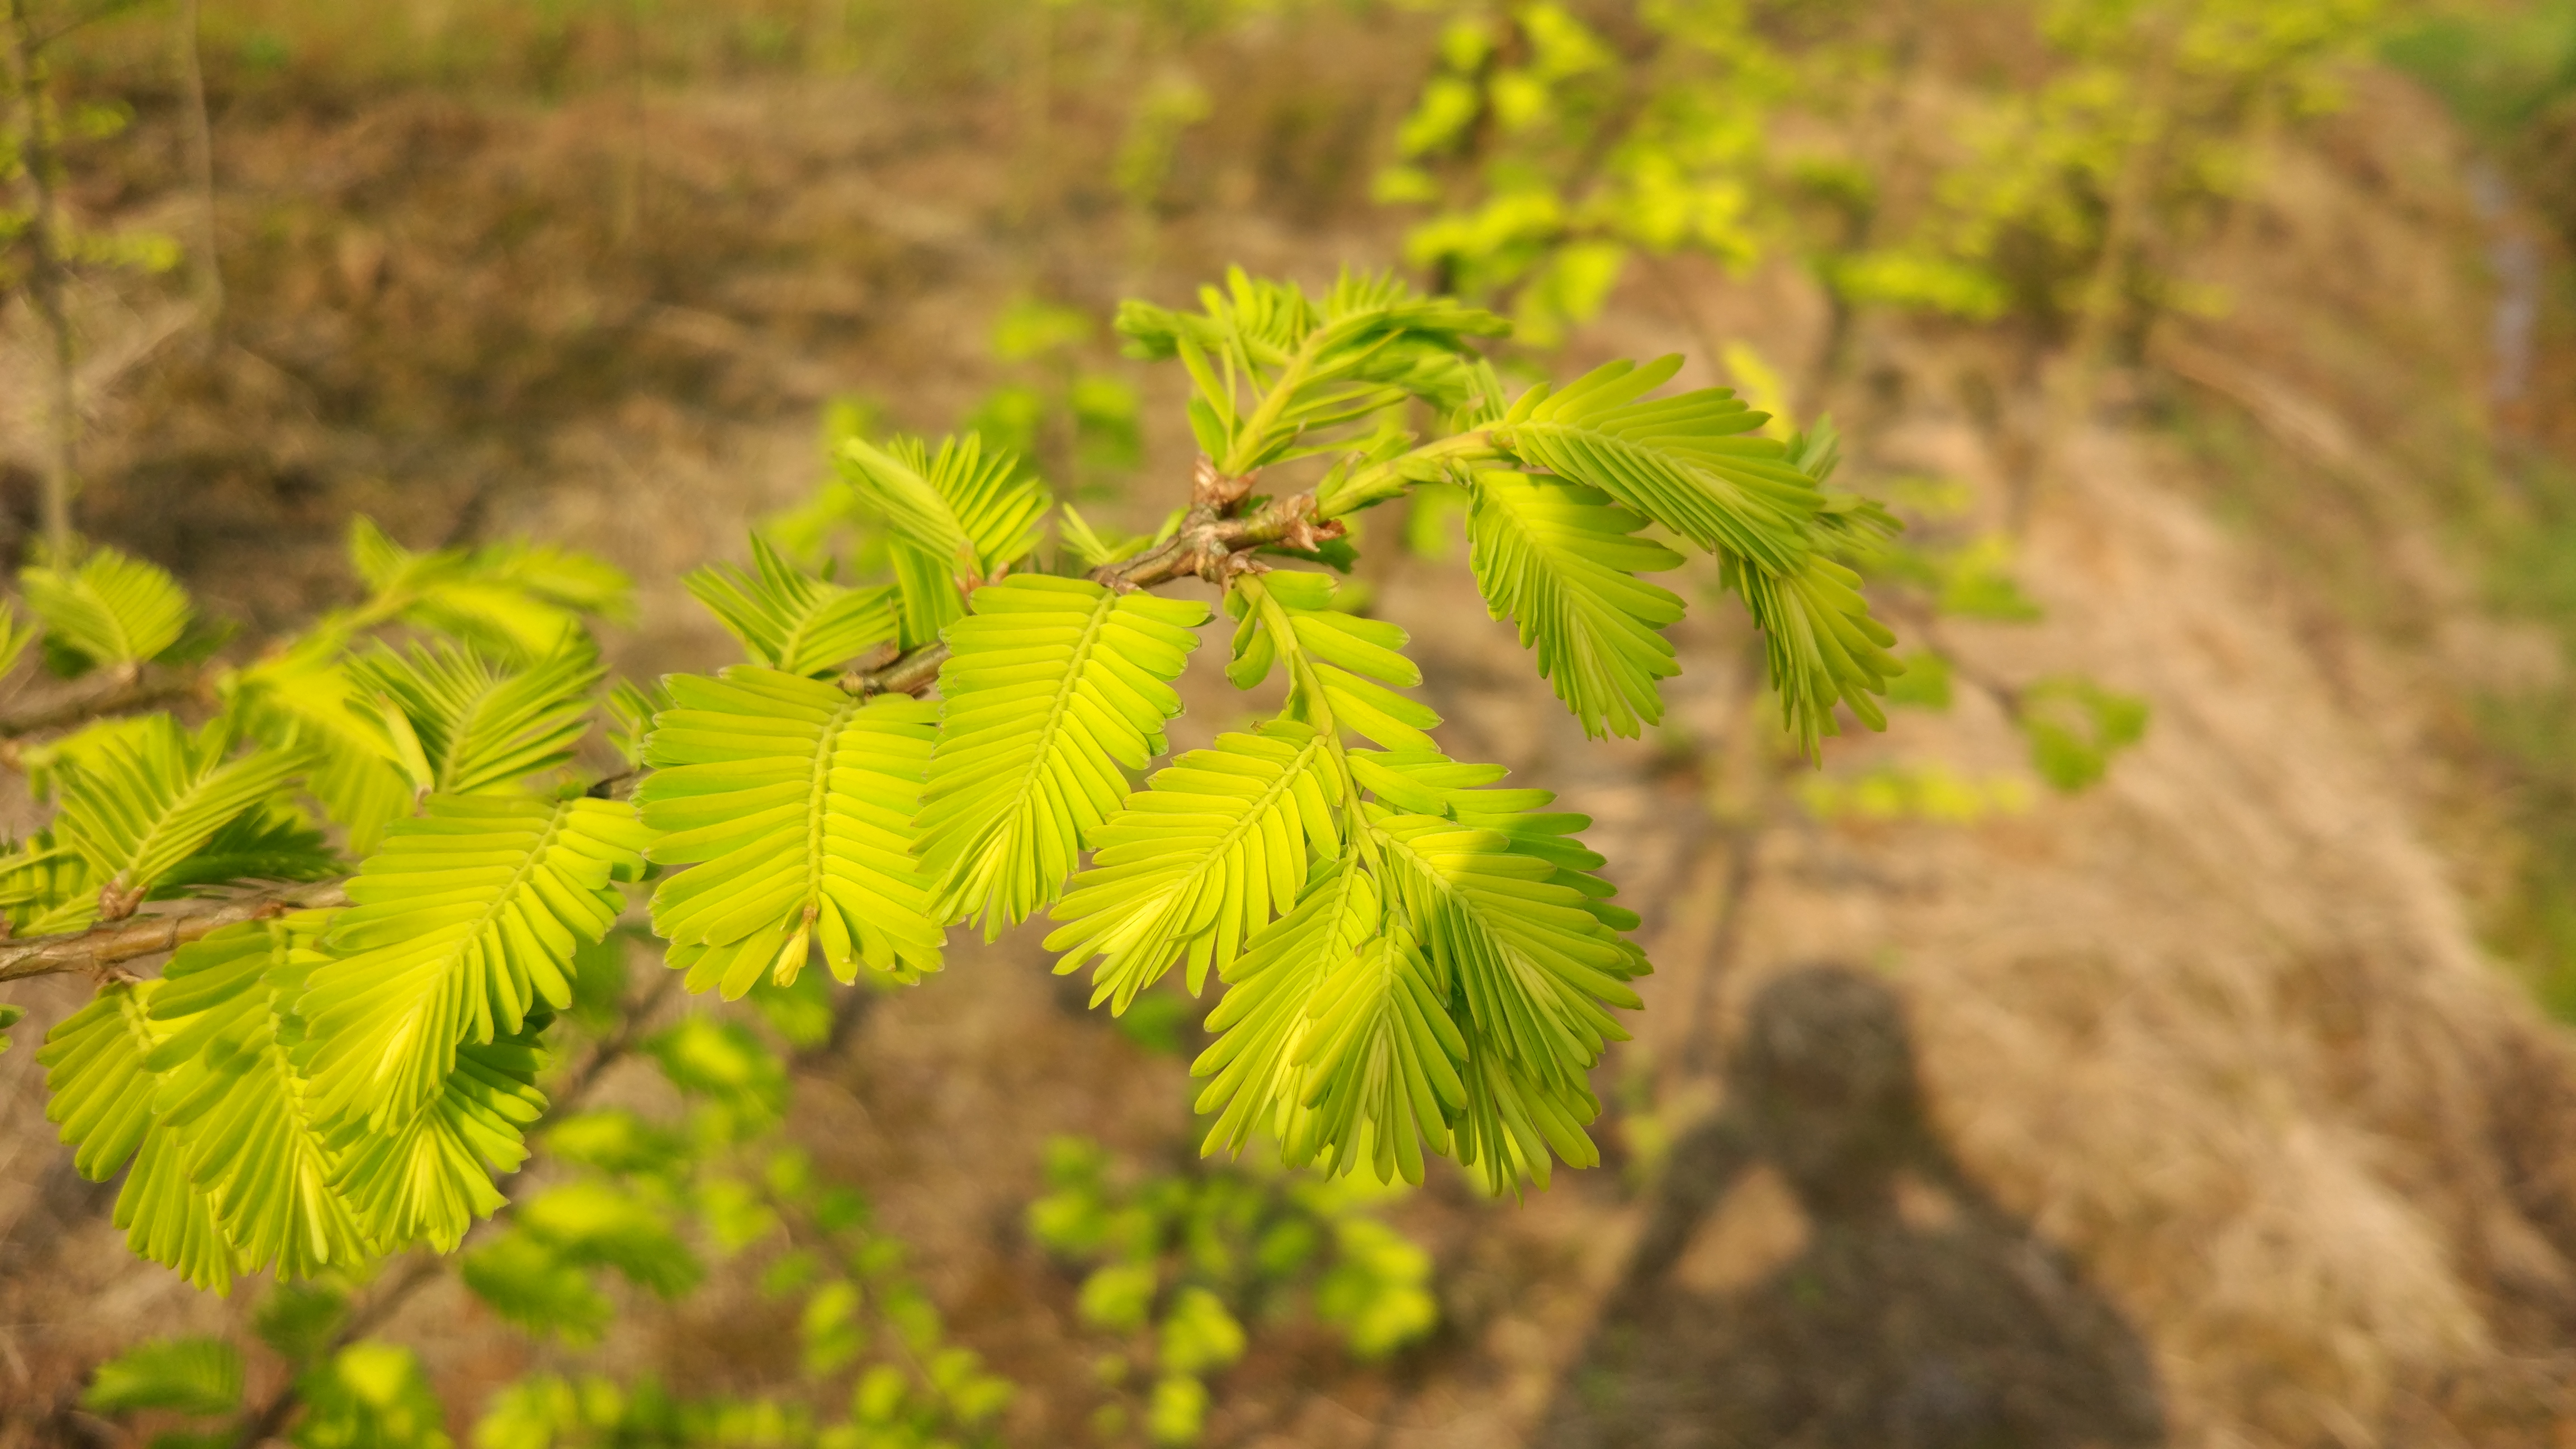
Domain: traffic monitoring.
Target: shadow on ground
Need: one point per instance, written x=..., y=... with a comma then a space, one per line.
x=1917, y=1315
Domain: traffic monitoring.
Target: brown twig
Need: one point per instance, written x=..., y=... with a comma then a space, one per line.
x=1211, y=542
x=100, y=949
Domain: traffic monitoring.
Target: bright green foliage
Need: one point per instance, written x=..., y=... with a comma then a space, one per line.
x=1414, y=963
x=1562, y=561
x=1273, y=368
x=144, y=802
x=185, y=1375
x=95, y=1063
x=958, y=513
x=790, y=620
x=1052, y=687
x=10, y=1015
x=1348, y=660
x=229, y=1088
x=1193, y=865
x=1690, y=463
x=794, y=803
x=459, y=723
x=108, y=611
x=463, y=924
x=515, y=599
x=2075, y=726
x=370, y=1396
x=1189, y=1268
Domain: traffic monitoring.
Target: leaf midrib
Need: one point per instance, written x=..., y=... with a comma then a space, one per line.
x=1249, y=820
x=818, y=799
x=1006, y=826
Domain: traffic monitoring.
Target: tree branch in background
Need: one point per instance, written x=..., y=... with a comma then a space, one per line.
x=112, y=692
x=207, y=274
x=46, y=270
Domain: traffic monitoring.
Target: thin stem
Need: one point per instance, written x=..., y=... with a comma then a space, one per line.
x=207, y=275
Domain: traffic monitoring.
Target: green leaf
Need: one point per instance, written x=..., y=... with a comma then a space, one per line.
x=370, y=1396
x=298, y=1320
x=612, y=1139
x=1378, y=1290
x=793, y=803
x=1090, y=548
x=1353, y=658
x=1683, y=461
x=789, y=619
x=2076, y=727
x=143, y=803
x=597, y=1224
x=168, y=1221
x=102, y=1093
x=1051, y=688
x=10, y=1015
x=303, y=700
x=1687, y=462
x=464, y=923
x=476, y=724
x=1821, y=644
x=99, y=1090
x=1176, y=1414
x=1196, y=863
x=958, y=516
x=111, y=610
x=518, y=600
x=1119, y=1296
x=1531, y=961
x=253, y=1147
x=15, y=636
x=426, y=1178
x=1560, y=559
x=1334, y=1037
x=530, y=1285
x=269, y=843
x=1198, y=1334
x=183, y=1375
x=1371, y=343
x=722, y=1061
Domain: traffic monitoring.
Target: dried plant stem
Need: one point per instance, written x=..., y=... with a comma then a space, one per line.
x=207, y=274
x=47, y=273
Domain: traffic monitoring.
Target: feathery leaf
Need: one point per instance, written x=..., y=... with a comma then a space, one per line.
x=1561, y=560
x=142, y=804
x=476, y=724
x=1196, y=863
x=789, y=619
x=183, y=1375
x=110, y=610
x=957, y=515
x=229, y=1088
x=793, y=803
x=1353, y=658
x=464, y=923
x=1052, y=686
